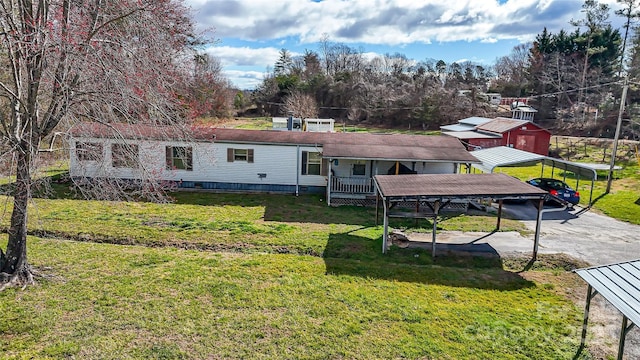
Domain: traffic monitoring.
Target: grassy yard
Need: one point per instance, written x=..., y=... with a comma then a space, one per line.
x=116, y=302
x=268, y=276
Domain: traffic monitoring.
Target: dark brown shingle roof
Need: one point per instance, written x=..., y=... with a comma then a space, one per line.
x=398, y=152
x=336, y=145
x=454, y=185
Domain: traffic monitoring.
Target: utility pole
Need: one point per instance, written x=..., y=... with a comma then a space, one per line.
x=623, y=100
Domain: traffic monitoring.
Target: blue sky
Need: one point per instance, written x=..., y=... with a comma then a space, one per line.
x=250, y=33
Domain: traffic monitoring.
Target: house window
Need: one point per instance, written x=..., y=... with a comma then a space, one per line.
x=179, y=158
x=124, y=156
x=239, y=155
x=86, y=151
x=311, y=163
x=359, y=169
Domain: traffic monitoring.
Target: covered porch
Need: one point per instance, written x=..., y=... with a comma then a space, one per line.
x=351, y=168
x=346, y=184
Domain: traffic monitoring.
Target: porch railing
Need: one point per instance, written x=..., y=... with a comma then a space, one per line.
x=351, y=185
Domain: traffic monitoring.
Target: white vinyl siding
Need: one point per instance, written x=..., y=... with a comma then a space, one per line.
x=272, y=164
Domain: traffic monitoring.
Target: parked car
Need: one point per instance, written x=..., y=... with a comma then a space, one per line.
x=557, y=188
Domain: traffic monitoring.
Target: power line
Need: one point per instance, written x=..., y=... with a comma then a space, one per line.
x=420, y=107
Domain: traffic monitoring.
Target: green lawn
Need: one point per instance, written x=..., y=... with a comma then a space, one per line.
x=114, y=302
x=271, y=276
x=230, y=222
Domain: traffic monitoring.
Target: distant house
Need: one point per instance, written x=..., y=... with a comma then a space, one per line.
x=522, y=111
x=494, y=98
x=298, y=124
x=519, y=134
x=340, y=165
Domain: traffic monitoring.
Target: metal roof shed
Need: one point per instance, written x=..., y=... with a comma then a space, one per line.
x=441, y=189
x=492, y=158
x=619, y=284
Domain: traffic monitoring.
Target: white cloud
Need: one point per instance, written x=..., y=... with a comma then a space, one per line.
x=245, y=56
x=260, y=27
x=383, y=22
x=245, y=79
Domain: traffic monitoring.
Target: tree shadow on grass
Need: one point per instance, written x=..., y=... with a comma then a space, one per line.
x=353, y=255
x=277, y=207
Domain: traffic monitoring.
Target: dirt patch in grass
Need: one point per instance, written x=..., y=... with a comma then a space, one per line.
x=550, y=262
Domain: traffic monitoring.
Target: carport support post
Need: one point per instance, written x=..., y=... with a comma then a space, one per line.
x=538, y=224
x=590, y=295
x=623, y=335
x=385, y=234
x=436, y=208
x=499, y=213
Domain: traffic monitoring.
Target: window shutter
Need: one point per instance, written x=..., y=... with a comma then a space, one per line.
x=169, y=157
x=229, y=155
x=249, y=155
x=304, y=163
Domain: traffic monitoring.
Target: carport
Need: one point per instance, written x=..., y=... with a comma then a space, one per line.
x=435, y=192
x=492, y=158
x=619, y=284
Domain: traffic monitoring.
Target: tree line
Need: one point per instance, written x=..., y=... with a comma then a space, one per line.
x=573, y=77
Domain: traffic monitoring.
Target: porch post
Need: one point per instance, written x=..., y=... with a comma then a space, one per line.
x=329, y=180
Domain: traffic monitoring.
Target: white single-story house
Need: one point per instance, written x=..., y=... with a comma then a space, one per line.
x=340, y=165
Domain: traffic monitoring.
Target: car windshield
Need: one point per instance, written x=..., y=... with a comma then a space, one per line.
x=556, y=184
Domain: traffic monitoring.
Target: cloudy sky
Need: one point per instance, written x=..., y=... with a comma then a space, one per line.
x=250, y=33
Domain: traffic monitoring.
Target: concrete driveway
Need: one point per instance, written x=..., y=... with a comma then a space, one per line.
x=585, y=235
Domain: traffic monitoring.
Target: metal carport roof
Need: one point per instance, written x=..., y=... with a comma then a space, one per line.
x=619, y=284
x=441, y=189
x=492, y=158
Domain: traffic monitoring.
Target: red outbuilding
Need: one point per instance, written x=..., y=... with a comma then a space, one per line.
x=515, y=133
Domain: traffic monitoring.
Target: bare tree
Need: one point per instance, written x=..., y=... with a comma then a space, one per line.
x=208, y=91
x=512, y=70
x=81, y=60
x=301, y=105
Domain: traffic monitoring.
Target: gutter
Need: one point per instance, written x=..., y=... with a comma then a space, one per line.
x=297, y=170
